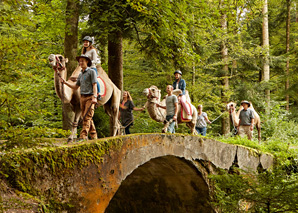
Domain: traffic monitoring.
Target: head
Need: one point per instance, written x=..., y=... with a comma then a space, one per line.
x=245, y=104
x=200, y=107
x=57, y=61
x=84, y=61
x=231, y=106
x=87, y=41
x=177, y=74
x=169, y=89
x=127, y=95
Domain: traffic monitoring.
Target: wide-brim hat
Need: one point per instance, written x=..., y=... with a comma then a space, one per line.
x=89, y=63
x=245, y=102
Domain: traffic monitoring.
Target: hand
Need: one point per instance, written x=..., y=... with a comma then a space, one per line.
x=174, y=118
x=143, y=108
x=62, y=80
x=238, y=127
x=251, y=127
x=94, y=100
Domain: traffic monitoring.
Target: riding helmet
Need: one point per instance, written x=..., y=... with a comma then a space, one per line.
x=178, y=71
x=88, y=38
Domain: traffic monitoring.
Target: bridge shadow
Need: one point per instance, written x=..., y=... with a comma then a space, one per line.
x=163, y=184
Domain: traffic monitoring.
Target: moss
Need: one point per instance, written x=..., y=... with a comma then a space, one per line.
x=22, y=168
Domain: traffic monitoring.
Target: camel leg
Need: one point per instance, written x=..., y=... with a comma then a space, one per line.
x=115, y=102
x=259, y=133
x=192, y=128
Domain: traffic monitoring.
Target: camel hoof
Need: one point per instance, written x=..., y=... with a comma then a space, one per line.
x=69, y=140
x=163, y=131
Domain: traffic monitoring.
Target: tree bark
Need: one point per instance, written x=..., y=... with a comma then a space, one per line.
x=225, y=80
x=71, y=35
x=70, y=52
x=266, y=68
x=115, y=61
x=287, y=84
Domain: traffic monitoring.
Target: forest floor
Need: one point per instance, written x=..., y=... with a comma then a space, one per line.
x=13, y=201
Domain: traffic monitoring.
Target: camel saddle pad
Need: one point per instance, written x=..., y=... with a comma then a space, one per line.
x=184, y=116
x=103, y=88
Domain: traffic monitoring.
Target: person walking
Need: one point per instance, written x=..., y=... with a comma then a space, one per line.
x=126, y=108
x=202, y=120
x=246, y=121
x=171, y=108
x=91, y=52
x=87, y=82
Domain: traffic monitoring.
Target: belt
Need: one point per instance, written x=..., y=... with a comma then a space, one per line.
x=86, y=95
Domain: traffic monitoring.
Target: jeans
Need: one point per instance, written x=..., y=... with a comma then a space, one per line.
x=98, y=87
x=171, y=128
x=201, y=130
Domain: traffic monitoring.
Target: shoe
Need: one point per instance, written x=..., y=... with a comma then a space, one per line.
x=98, y=97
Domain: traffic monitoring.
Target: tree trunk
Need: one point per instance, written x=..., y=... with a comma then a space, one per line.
x=225, y=81
x=266, y=68
x=287, y=51
x=71, y=35
x=115, y=63
x=70, y=52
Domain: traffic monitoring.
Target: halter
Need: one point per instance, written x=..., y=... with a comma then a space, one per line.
x=59, y=66
x=150, y=95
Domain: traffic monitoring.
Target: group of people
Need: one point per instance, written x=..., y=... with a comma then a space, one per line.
x=90, y=89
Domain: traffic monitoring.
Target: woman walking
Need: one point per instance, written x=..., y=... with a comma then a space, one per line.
x=126, y=107
x=201, y=125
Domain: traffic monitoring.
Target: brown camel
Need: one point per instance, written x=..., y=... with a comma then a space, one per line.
x=159, y=114
x=109, y=92
x=231, y=107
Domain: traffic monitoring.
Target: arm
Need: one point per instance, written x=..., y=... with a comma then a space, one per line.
x=176, y=111
x=139, y=109
x=252, y=124
x=94, y=57
x=94, y=99
x=206, y=118
x=72, y=86
x=163, y=107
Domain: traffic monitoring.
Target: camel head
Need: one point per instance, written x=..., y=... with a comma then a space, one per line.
x=152, y=93
x=57, y=62
x=231, y=107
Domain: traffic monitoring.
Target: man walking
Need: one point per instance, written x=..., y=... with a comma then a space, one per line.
x=246, y=121
x=87, y=81
x=171, y=108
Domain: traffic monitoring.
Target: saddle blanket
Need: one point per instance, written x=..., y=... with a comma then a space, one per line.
x=103, y=88
x=184, y=116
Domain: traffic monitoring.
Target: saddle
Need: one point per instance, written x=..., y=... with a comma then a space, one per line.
x=103, y=88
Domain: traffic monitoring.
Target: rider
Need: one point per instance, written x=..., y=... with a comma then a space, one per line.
x=179, y=83
x=90, y=51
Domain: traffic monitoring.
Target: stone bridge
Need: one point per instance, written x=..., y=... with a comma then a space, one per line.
x=135, y=173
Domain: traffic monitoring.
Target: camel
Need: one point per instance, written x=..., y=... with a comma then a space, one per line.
x=109, y=92
x=158, y=114
x=231, y=107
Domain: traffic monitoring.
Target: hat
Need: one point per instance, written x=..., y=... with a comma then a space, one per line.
x=178, y=71
x=89, y=63
x=88, y=38
x=245, y=102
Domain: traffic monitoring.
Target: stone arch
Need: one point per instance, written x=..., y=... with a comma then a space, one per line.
x=163, y=184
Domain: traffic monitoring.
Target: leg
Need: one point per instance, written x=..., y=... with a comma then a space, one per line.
x=204, y=131
x=241, y=131
x=92, y=130
x=171, y=128
x=127, y=132
x=88, y=113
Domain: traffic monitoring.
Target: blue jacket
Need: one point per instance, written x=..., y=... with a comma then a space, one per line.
x=181, y=85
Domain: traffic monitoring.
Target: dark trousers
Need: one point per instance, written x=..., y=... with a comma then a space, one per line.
x=127, y=132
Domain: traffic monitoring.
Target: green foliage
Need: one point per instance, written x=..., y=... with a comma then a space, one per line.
x=270, y=191
x=19, y=138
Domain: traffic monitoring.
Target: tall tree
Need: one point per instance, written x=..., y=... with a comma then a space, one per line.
x=266, y=66
x=225, y=71
x=288, y=21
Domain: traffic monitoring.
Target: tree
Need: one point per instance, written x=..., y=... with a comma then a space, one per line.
x=288, y=21
x=266, y=66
